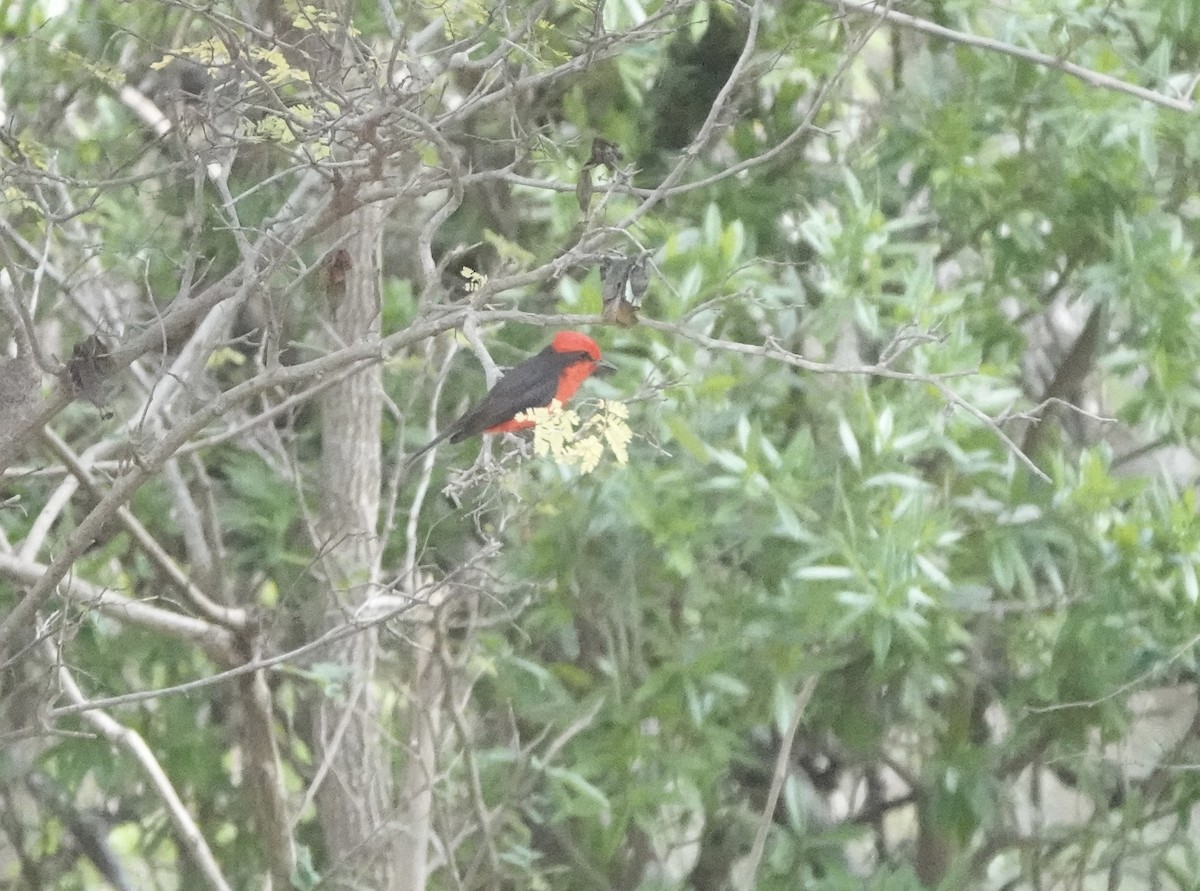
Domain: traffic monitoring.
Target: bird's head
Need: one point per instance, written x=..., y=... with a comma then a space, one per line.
x=566, y=342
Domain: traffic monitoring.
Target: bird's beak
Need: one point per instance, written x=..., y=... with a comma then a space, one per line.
x=603, y=369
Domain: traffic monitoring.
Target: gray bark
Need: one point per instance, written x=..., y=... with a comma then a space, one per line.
x=354, y=799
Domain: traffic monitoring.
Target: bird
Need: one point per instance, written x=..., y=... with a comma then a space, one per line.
x=555, y=373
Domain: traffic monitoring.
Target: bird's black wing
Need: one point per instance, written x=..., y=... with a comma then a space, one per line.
x=531, y=384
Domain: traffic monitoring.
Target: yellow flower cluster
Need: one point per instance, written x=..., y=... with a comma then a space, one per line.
x=558, y=432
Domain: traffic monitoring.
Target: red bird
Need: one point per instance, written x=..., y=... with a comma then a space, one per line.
x=554, y=373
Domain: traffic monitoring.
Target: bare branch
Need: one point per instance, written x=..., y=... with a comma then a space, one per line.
x=772, y=351
x=230, y=617
x=218, y=643
x=709, y=128
x=118, y=734
x=1087, y=75
x=783, y=760
x=304, y=650
x=414, y=511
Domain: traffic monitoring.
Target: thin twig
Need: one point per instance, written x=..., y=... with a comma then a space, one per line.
x=414, y=511
x=332, y=636
x=772, y=351
x=231, y=617
x=217, y=642
x=1087, y=75
x=782, y=761
x=186, y=830
x=1156, y=670
x=709, y=127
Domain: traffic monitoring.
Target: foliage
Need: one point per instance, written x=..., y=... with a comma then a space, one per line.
x=909, y=411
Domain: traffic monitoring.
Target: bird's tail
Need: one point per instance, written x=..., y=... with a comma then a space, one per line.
x=419, y=453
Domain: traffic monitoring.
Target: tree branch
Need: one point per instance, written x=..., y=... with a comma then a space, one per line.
x=1087, y=75
x=229, y=616
x=782, y=762
x=218, y=643
x=186, y=830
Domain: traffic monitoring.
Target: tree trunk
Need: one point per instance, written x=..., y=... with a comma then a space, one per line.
x=354, y=798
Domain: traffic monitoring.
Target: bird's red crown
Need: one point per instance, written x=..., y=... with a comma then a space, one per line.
x=574, y=342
